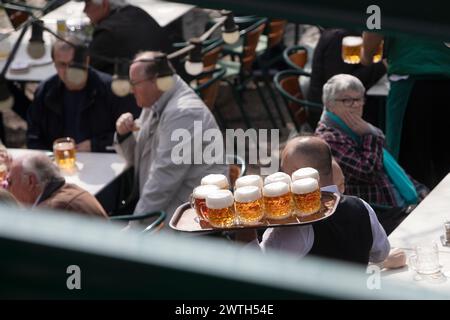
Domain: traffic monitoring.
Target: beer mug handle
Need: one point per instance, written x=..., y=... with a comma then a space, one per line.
x=413, y=261
x=191, y=201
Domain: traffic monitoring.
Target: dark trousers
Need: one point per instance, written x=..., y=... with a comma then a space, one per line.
x=424, y=150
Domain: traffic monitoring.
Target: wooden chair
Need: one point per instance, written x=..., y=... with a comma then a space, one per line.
x=287, y=84
x=240, y=73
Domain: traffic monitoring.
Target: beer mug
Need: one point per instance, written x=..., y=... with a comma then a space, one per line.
x=248, y=204
x=198, y=202
x=307, y=172
x=426, y=259
x=64, y=152
x=278, y=177
x=379, y=53
x=351, y=49
x=277, y=200
x=306, y=194
x=250, y=180
x=220, y=205
x=216, y=179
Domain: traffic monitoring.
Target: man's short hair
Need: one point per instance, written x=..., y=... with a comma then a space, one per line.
x=42, y=167
x=150, y=58
x=67, y=44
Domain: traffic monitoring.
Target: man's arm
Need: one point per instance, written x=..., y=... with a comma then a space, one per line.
x=380, y=245
x=35, y=139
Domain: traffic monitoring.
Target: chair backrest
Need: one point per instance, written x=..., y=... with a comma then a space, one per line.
x=251, y=37
x=287, y=84
x=276, y=32
x=211, y=55
x=296, y=57
x=207, y=86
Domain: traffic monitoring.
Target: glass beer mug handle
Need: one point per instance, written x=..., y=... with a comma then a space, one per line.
x=191, y=201
x=413, y=261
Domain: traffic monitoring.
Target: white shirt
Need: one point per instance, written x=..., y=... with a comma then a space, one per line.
x=299, y=240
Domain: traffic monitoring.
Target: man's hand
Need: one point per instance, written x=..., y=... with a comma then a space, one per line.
x=356, y=123
x=84, y=146
x=125, y=124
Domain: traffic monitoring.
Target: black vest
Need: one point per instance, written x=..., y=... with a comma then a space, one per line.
x=346, y=235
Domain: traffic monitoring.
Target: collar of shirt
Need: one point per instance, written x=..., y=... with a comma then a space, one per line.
x=160, y=105
x=330, y=188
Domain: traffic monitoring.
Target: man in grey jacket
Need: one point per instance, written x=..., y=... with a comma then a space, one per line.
x=162, y=181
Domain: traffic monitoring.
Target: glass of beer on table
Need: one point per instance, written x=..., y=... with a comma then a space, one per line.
x=249, y=204
x=277, y=200
x=198, y=199
x=64, y=152
x=220, y=206
x=351, y=49
x=306, y=194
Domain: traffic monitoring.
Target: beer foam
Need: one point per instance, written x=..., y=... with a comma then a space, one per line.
x=216, y=179
x=307, y=172
x=219, y=199
x=352, y=41
x=303, y=186
x=275, y=189
x=247, y=194
x=250, y=180
x=278, y=177
x=201, y=191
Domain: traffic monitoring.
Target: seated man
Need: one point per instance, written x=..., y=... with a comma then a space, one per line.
x=122, y=30
x=86, y=111
x=160, y=182
x=352, y=233
x=35, y=181
x=370, y=172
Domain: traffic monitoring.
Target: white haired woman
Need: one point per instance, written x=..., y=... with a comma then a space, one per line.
x=371, y=172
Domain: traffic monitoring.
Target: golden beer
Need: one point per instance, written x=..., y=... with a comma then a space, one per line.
x=307, y=196
x=220, y=211
x=379, y=53
x=65, y=153
x=277, y=200
x=3, y=171
x=351, y=49
x=249, y=205
x=198, y=200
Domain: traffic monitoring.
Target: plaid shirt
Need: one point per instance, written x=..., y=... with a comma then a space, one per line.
x=362, y=166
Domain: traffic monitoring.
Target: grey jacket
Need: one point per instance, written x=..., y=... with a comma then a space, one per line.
x=164, y=184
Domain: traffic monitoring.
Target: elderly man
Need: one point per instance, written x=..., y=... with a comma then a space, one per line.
x=122, y=30
x=35, y=181
x=351, y=234
x=161, y=182
x=84, y=109
x=370, y=171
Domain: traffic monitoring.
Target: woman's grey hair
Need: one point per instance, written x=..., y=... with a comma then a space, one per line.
x=42, y=167
x=113, y=4
x=338, y=84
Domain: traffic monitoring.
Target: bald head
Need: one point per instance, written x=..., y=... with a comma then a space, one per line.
x=312, y=152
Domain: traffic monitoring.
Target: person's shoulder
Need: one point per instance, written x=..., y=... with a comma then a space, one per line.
x=357, y=203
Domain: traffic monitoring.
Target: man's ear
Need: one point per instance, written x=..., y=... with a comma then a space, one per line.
x=32, y=180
